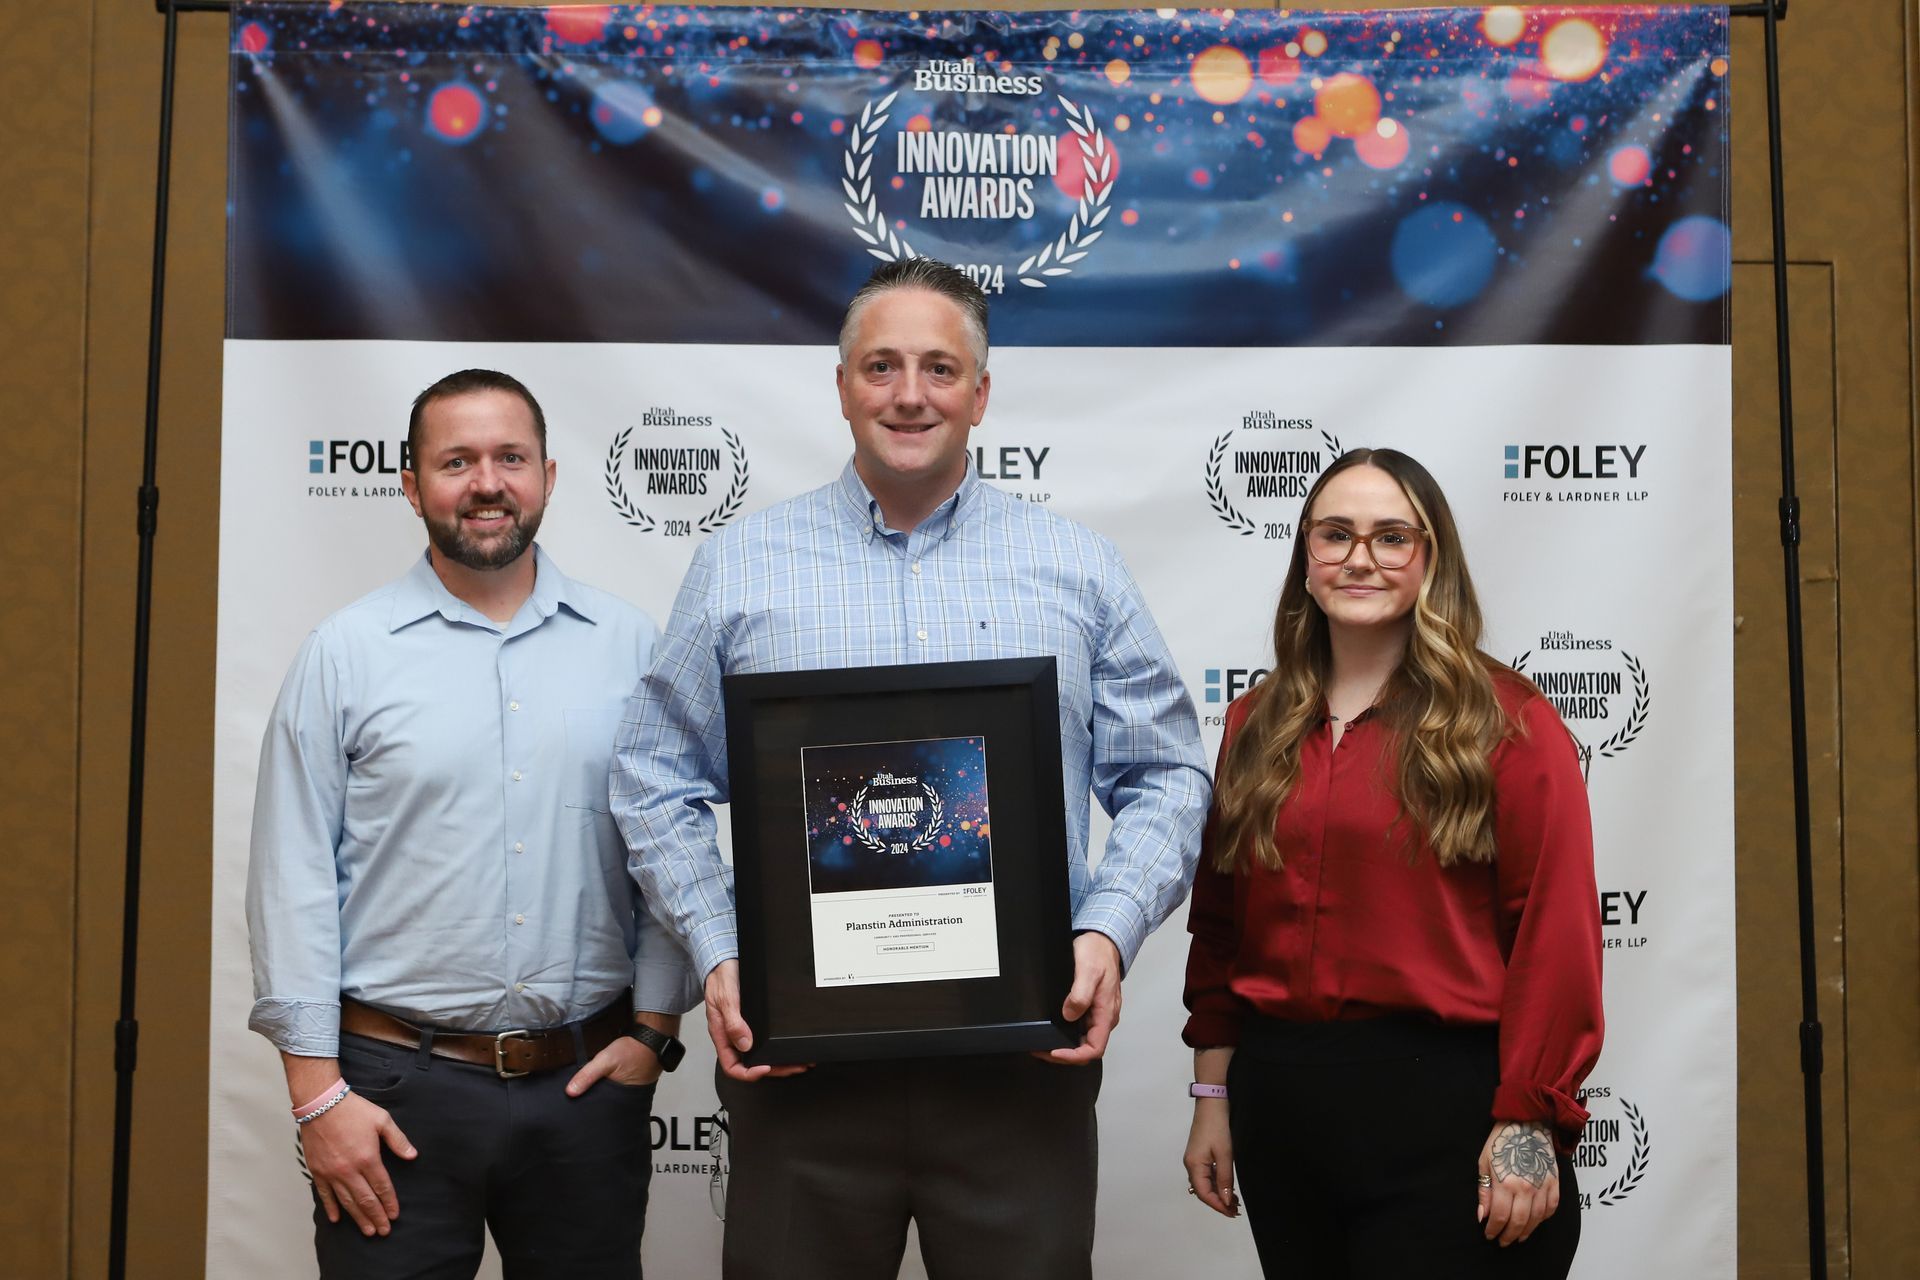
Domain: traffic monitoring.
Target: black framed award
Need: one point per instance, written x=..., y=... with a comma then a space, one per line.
x=900, y=860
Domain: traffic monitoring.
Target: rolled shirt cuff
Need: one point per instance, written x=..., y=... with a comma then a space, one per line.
x=1207, y=1030
x=661, y=986
x=303, y=1028
x=1531, y=1103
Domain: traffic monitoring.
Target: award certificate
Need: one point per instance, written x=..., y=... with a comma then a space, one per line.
x=900, y=861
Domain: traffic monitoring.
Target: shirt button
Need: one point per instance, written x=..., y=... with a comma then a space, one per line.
x=518, y=847
x=519, y=919
x=516, y=775
x=513, y=706
x=519, y=986
x=916, y=567
x=922, y=634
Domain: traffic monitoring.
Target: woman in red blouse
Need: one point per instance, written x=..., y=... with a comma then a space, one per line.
x=1394, y=979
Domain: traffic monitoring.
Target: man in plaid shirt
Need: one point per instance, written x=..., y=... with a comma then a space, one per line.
x=909, y=557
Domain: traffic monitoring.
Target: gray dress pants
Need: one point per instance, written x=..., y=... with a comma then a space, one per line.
x=994, y=1158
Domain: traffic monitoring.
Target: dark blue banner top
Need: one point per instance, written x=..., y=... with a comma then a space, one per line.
x=615, y=173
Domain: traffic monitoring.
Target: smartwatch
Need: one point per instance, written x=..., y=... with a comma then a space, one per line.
x=664, y=1046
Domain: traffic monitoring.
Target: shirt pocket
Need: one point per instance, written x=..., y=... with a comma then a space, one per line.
x=588, y=757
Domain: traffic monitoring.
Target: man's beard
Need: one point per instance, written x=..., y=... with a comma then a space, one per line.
x=494, y=552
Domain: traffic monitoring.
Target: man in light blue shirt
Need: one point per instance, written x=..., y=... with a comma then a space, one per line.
x=445, y=939
x=909, y=557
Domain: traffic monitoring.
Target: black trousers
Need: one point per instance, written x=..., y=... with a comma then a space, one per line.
x=1355, y=1145
x=561, y=1182
x=994, y=1158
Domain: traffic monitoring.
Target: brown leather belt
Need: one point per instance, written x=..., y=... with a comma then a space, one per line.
x=509, y=1054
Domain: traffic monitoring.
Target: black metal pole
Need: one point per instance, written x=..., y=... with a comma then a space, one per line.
x=1811, y=1053
x=126, y=1031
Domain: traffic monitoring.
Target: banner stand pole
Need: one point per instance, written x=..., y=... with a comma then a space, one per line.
x=126, y=1030
x=1811, y=1034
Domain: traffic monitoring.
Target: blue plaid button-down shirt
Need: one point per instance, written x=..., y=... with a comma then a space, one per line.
x=820, y=581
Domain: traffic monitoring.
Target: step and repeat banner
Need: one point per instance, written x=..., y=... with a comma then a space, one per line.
x=1221, y=247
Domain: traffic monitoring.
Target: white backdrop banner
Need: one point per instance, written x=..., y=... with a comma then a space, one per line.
x=1221, y=248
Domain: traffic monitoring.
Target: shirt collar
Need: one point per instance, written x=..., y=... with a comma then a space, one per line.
x=863, y=509
x=421, y=592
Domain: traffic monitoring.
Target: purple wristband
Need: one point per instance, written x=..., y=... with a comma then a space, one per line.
x=1198, y=1090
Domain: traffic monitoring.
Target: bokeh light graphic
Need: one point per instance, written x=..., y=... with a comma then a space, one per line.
x=1349, y=104
x=1529, y=85
x=1311, y=135
x=1070, y=169
x=1278, y=67
x=1503, y=24
x=1443, y=255
x=579, y=24
x=1573, y=50
x=621, y=110
x=1383, y=146
x=455, y=113
x=1629, y=166
x=1695, y=258
x=1222, y=74
x=1312, y=149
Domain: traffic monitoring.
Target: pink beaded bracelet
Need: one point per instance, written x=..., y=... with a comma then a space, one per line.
x=325, y=1096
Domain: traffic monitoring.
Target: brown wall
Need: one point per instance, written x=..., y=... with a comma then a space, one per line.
x=78, y=84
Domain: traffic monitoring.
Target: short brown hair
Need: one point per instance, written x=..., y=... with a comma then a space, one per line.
x=467, y=382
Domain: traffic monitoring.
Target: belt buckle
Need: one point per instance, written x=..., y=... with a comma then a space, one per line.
x=500, y=1054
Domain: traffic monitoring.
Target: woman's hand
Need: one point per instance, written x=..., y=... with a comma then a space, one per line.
x=1519, y=1180
x=1209, y=1157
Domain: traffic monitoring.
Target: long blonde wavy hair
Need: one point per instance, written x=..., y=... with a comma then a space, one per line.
x=1439, y=705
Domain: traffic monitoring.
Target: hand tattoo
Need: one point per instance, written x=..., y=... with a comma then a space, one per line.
x=1524, y=1151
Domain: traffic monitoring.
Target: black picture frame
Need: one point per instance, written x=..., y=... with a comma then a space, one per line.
x=1011, y=703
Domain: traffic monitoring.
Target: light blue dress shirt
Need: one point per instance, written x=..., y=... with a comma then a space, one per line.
x=431, y=831
x=820, y=581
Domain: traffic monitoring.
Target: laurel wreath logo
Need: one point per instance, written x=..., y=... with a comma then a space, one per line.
x=1637, y=717
x=1580, y=748
x=862, y=204
x=617, y=486
x=1056, y=259
x=1095, y=186
x=1217, y=491
x=856, y=816
x=729, y=503
x=736, y=491
x=1622, y=1187
x=1620, y=739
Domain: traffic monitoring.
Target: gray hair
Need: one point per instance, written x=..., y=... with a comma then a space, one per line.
x=950, y=283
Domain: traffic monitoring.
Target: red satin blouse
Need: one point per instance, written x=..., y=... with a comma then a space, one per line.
x=1352, y=927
